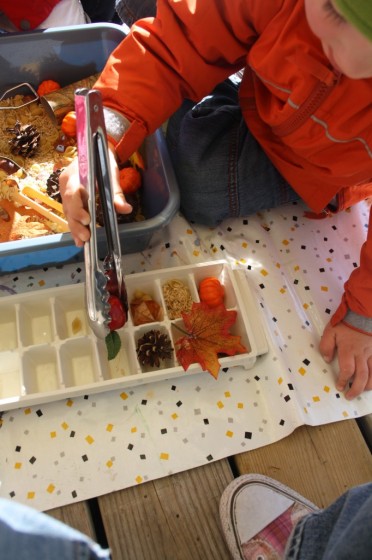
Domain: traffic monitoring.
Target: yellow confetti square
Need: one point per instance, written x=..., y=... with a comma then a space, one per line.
x=285, y=242
x=30, y=495
x=305, y=306
x=133, y=429
x=89, y=440
x=345, y=414
x=215, y=250
x=189, y=231
x=227, y=394
x=18, y=466
x=302, y=371
x=316, y=399
x=264, y=272
x=27, y=411
x=139, y=479
x=53, y=434
x=278, y=265
x=229, y=433
x=280, y=380
x=240, y=405
x=196, y=253
x=164, y=456
x=324, y=288
x=174, y=415
x=283, y=290
x=41, y=283
x=244, y=244
x=64, y=425
x=69, y=402
x=123, y=396
x=109, y=427
x=296, y=268
x=243, y=261
x=326, y=389
x=109, y=464
x=220, y=404
x=51, y=488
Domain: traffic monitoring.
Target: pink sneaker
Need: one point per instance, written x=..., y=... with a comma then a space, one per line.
x=258, y=515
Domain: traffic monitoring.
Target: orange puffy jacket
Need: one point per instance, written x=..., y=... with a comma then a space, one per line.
x=315, y=125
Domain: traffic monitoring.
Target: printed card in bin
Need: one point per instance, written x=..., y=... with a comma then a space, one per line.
x=48, y=351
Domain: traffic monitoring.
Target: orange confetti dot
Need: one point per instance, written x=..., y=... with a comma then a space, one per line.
x=18, y=466
x=109, y=427
x=316, y=399
x=51, y=488
x=326, y=389
x=164, y=456
x=220, y=404
x=139, y=479
x=302, y=371
x=30, y=495
x=89, y=440
x=285, y=242
x=229, y=433
x=123, y=396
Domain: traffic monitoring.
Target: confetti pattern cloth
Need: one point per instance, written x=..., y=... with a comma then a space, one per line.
x=71, y=450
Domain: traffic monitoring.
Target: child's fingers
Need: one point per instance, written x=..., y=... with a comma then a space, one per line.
x=327, y=345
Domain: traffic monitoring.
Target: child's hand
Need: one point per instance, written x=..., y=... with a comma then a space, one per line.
x=354, y=350
x=74, y=198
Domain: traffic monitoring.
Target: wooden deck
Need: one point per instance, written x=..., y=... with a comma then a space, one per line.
x=176, y=518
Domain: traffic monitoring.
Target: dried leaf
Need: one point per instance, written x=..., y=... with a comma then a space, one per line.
x=207, y=336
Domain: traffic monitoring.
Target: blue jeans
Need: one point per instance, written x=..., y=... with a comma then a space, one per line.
x=343, y=531
x=26, y=534
x=221, y=169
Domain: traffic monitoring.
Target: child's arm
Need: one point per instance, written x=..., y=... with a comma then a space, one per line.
x=354, y=353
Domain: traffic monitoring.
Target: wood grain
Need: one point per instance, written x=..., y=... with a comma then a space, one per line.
x=319, y=462
x=77, y=516
x=174, y=518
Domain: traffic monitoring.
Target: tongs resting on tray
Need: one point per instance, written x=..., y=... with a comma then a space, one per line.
x=103, y=279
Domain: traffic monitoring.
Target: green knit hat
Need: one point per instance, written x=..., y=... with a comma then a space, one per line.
x=358, y=13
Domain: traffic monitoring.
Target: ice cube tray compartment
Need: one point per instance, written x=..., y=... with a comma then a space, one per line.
x=48, y=351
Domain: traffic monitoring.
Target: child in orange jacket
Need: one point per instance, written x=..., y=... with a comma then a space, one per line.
x=298, y=126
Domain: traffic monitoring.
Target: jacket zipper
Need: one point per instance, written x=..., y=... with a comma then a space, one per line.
x=308, y=108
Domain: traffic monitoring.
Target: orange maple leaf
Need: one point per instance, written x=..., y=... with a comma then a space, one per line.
x=207, y=335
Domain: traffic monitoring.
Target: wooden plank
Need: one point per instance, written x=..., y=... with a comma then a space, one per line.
x=319, y=462
x=173, y=518
x=76, y=516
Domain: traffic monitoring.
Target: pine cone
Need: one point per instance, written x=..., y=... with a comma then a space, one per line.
x=53, y=185
x=154, y=347
x=26, y=139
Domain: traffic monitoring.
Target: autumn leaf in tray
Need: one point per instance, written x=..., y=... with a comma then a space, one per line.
x=207, y=336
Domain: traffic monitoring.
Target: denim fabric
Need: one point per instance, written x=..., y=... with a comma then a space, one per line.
x=343, y=531
x=221, y=169
x=26, y=534
x=99, y=10
x=130, y=11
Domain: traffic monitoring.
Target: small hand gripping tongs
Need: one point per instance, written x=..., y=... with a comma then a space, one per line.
x=95, y=176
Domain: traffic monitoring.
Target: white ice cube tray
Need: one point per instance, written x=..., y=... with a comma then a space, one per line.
x=43, y=358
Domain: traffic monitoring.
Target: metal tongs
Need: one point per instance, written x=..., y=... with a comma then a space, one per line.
x=95, y=176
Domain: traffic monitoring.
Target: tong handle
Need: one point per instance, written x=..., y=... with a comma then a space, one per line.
x=94, y=170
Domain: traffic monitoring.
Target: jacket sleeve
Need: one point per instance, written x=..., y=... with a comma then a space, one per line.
x=355, y=308
x=182, y=53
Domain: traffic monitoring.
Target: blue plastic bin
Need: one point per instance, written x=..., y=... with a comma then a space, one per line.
x=67, y=55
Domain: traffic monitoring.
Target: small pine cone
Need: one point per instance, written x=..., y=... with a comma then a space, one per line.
x=154, y=347
x=53, y=185
x=26, y=139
